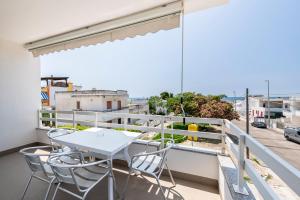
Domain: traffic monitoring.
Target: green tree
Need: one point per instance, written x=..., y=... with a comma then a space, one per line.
x=166, y=95
x=197, y=105
x=153, y=102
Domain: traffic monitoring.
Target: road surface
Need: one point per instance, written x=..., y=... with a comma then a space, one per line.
x=289, y=151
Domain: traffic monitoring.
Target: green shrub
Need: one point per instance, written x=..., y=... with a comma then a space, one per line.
x=78, y=127
x=201, y=127
x=130, y=130
x=177, y=138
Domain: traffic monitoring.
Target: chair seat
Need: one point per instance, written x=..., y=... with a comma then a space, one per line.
x=147, y=163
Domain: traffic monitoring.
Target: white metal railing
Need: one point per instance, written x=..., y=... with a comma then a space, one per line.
x=97, y=119
x=289, y=174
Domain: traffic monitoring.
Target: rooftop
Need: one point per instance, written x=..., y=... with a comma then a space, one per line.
x=94, y=92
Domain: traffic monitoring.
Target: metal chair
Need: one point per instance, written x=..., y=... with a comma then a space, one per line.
x=57, y=132
x=152, y=163
x=84, y=175
x=36, y=158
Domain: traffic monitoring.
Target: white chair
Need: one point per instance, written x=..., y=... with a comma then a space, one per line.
x=84, y=175
x=152, y=163
x=57, y=132
x=36, y=158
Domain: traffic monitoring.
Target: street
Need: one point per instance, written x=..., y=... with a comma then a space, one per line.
x=287, y=150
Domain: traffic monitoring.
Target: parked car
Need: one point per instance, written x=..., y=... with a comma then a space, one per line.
x=292, y=134
x=259, y=124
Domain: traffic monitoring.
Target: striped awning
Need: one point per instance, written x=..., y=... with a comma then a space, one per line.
x=44, y=96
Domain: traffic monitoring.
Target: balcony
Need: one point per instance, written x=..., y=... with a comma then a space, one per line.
x=200, y=173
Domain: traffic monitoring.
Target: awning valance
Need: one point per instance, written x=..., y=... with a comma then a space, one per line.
x=149, y=21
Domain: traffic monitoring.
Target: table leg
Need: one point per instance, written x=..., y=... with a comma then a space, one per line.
x=110, y=184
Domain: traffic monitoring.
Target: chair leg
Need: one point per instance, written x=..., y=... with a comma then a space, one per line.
x=126, y=185
x=55, y=191
x=115, y=183
x=49, y=188
x=160, y=187
x=26, y=188
x=171, y=176
x=84, y=196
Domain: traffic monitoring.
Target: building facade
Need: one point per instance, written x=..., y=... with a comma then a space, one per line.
x=291, y=110
x=93, y=100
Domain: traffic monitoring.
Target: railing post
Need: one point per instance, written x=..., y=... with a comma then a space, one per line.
x=73, y=119
x=39, y=119
x=223, y=138
x=125, y=123
x=55, y=119
x=51, y=117
x=162, y=121
x=239, y=187
x=96, y=119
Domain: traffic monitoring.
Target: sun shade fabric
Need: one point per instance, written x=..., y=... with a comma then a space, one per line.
x=44, y=96
x=149, y=26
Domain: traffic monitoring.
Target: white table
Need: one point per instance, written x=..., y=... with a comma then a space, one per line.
x=107, y=142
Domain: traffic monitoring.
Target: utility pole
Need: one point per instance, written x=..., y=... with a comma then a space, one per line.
x=269, y=120
x=247, y=119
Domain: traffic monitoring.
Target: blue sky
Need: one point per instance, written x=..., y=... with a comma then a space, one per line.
x=227, y=48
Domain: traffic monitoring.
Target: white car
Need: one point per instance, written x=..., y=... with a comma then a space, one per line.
x=292, y=134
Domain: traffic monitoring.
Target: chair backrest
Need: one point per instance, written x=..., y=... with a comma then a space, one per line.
x=34, y=158
x=167, y=145
x=63, y=171
x=67, y=173
x=56, y=132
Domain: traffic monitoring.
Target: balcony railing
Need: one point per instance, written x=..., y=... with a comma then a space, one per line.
x=289, y=174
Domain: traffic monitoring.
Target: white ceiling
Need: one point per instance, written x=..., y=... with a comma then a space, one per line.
x=25, y=21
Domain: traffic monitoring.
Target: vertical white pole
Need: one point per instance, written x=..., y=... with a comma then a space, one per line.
x=239, y=188
x=125, y=123
x=74, y=119
x=96, y=119
x=39, y=119
x=162, y=131
x=55, y=119
x=51, y=117
x=223, y=138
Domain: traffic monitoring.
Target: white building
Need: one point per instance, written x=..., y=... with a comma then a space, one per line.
x=258, y=106
x=291, y=110
x=93, y=100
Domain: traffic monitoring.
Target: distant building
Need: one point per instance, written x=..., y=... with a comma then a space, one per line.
x=291, y=110
x=93, y=100
x=258, y=107
x=53, y=84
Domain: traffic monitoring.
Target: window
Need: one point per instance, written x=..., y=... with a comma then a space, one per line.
x=78, y=105
x=119, y=121
x=108, y=105
x=119, y=105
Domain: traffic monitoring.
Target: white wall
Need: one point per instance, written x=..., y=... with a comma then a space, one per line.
x=20, y=95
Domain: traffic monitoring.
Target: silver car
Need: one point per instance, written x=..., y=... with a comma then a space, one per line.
x=292, y=134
